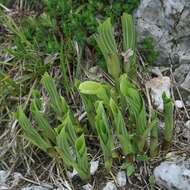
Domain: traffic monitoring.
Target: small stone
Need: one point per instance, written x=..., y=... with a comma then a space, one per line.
x=72, y=174
x=35, y=187
x=179, y=104
x=186, y=83
x=161, y=124
x=3, y=177
x=17, y=176
x=87, y=187
x=187, y=124
x=94, y=166
x=121, y=178
x=110, y=186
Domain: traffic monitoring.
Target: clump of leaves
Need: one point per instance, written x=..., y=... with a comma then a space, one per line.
x=104, y=134
x=106, y=42
x=111, y=109
x=57, y=141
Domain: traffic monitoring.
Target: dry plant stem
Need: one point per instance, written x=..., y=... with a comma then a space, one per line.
x=173, y=79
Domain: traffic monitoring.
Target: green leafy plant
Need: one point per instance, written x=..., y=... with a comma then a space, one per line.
x=58, y=103
x=154, y=135
x=57, y=141
x=117, y=108
x=80, y=162
x=104, y=134
x=121, y=130
x=31, y=133
x=106, y=42
x=137, y=110
x=129, y=44
x=94, y=88
x=168, y=118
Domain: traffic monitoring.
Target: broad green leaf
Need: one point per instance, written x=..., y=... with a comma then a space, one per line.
x=44, y=127
x=129, y=42
x=154, y=135
x=88, y=102
x=90, y=87
x=129, y=33
x=58, y=102
x=168, y=117
x=82, y=158
x=106, y=42
x=30, y=132
x=70, y=128
x=94, y=88
x=64, y=148
x=136, y=109
x=104, y=134
x=121, y=129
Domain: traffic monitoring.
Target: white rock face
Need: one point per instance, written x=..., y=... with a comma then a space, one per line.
x=173, y=175
x=110, y=186
x=121, y=178
x=168, y=23
x=157, y=86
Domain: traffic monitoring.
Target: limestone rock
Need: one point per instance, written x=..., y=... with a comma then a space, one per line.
x=174, y=174
x=168, y=23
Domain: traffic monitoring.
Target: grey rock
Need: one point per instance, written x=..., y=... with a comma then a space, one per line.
x=35, y=187
x=174, y=174
x=3, y=177
x=181, y=72
x=187, y=124
x=186, y=82
x=168, y=23
x=185, y=59
x=87, y=187
x=121, y=178
x=110, y=186
x=94, y=166
x=179, y=104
